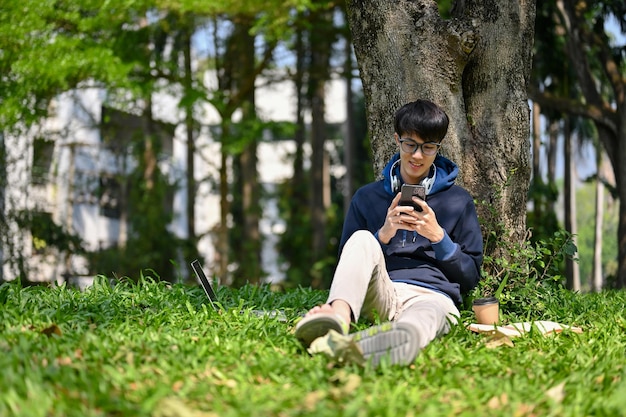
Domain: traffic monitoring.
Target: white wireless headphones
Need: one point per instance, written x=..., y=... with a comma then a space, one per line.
x=395, y=181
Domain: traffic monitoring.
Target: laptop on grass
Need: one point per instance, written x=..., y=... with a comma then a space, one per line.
x=212, y=296
x=206, y=284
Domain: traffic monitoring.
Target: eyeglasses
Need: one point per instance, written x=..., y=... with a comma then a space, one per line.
x=427, y=148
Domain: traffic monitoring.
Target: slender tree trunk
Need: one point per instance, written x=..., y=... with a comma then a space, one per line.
x=536, y=172
x=318, y=213
x=4, y=230
x=551, y=153
x=299, y=136
x=248, y=257
x=349, y=147
x=320, y=55
x=298, y=232
x=69, y=214
x=536, y=131
x=620, y=180
x=572, y=271
x=191, y=146
x=3, y=220
x=124, y=200
x=222, y=232
x=599, y=223
x=149, y=155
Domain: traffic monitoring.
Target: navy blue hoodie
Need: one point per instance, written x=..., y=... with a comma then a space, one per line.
x=451, y=266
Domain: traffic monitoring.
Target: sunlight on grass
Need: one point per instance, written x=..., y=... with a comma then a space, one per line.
x=151, y=349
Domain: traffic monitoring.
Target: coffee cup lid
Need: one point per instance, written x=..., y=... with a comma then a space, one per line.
x=485, y=300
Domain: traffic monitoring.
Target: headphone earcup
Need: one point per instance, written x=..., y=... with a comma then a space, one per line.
x=395, y=181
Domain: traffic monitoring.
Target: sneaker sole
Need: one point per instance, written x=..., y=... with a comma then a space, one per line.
x=398, y=342
x=311, y=329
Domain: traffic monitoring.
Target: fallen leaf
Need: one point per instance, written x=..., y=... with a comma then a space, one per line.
x=176, y=386
x=557, y=392
x=498, y=401
x=498, y=339
x=525, y=410
x=52, y=329
x=352, y=383
x=312, y=399
x=175, y=407
x=345, y=384
x=64, y=361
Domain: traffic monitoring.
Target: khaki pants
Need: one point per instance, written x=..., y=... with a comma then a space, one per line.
x=361, y=280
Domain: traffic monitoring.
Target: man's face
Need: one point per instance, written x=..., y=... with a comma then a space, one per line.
x=414, y=166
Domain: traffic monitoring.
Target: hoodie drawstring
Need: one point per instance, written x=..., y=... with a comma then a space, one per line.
x=404, y=237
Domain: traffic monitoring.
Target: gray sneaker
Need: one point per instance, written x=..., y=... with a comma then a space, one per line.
x=395, y=343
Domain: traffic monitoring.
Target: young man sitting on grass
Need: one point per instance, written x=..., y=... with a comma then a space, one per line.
x=409, y=265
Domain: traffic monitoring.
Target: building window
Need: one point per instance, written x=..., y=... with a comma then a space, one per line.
x=42, y=160
x=110, y=196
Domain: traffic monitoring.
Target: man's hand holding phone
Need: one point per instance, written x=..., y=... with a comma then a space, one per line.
x=408, y=192
x=407, y=214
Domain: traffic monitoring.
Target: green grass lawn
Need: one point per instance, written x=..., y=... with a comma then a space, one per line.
x=150, y=349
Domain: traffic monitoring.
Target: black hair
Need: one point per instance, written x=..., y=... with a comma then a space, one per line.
x=424, y=118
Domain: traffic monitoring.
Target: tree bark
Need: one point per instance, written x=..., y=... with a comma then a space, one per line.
x=320, y=49
x=349, y=140
x=191, y=145
x=597, y=275
x=536, y=131
x=553, y=132
x=476, y=65
x=221, y=245
x=246, y=206
x=572, y=271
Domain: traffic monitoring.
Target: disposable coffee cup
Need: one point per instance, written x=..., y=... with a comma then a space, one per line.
x=487, y=310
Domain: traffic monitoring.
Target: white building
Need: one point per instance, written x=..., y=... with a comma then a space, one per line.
x=63, y=170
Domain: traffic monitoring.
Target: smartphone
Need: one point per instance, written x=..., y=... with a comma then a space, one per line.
x=408, y=192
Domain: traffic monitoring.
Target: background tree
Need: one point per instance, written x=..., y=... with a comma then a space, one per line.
x=238, y=67
x=476, y=65
x=310, y=204
x=598, y=69
x=246, y=239
x=34, y=70
x=321, y=42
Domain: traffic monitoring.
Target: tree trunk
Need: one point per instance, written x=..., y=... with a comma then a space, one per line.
x=552, y=149
x=320, y=56
x=249, y=258
x=597, y=282
x=247, y=251
x=191, y=146
x=476, y=65
x=349, y=148
x=536, y=130
x=572, y=271
x=536, y=161
x=300, y=134
x=222, y=231
x=3, y=222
